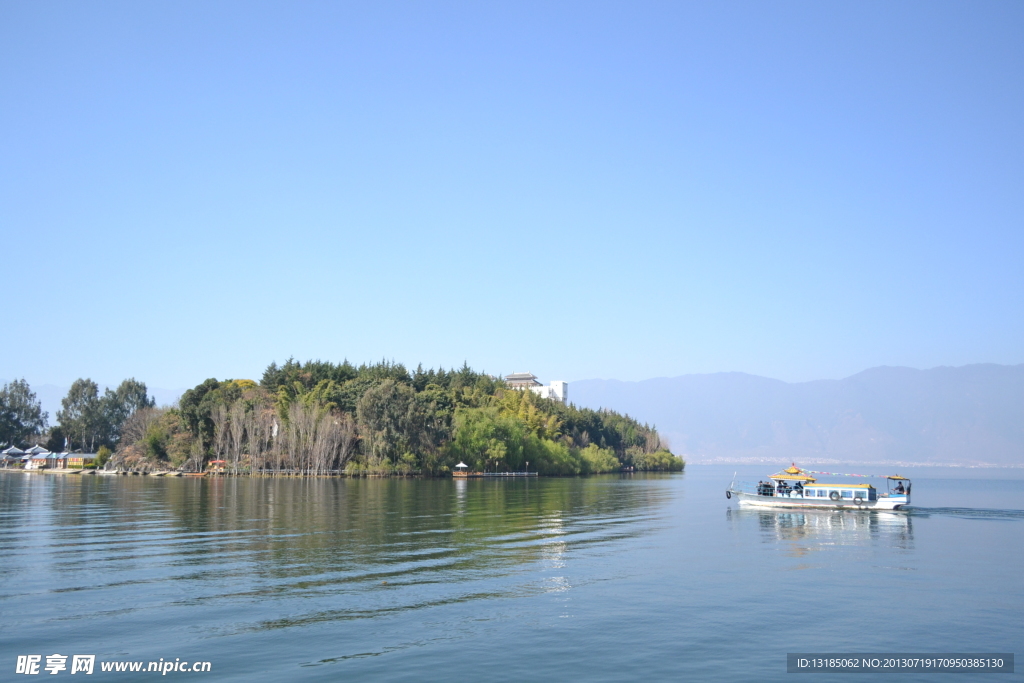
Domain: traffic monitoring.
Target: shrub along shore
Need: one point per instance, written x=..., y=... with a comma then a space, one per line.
x=319, y=418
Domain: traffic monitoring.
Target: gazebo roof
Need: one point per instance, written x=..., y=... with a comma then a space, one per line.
x=461, y=466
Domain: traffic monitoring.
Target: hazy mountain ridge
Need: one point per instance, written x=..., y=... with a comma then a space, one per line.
x=966, y=415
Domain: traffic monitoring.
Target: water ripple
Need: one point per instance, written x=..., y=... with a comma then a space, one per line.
x=967, y=513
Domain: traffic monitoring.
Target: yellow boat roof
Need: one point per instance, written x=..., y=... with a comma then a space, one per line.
x=896, y=476
x=793, y=473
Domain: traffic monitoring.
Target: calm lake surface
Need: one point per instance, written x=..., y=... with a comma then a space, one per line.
x=613, y=578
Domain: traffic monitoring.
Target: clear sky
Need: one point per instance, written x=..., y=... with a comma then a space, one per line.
x=620, y=190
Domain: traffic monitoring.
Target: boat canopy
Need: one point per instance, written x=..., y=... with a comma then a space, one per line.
x=792, y=473
x=896, y=476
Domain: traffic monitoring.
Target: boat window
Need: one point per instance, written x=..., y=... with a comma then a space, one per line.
x=822, y=493
x=847, y=494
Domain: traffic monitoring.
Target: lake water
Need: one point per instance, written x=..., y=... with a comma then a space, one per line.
x=612, y=578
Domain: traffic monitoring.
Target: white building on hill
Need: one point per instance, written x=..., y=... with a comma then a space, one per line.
x=557, y=390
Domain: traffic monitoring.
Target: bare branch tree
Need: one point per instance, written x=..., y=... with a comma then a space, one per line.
x=137, y=424
x=236, y=433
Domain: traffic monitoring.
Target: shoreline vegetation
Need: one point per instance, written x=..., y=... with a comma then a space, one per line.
x=321, y=419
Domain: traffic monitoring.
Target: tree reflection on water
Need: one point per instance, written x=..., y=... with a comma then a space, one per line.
x=310, y=550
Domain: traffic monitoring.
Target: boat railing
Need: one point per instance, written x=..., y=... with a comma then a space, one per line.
x=767, y=489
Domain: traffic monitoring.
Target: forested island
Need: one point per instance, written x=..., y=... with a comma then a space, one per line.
x=320, y=418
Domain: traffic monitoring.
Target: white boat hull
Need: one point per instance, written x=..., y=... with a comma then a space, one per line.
x=745, y=499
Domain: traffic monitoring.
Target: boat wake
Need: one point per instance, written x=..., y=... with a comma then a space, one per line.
x=966, y=513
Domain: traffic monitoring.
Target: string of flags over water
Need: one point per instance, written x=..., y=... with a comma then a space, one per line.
x=846, y=474
x=793, y=469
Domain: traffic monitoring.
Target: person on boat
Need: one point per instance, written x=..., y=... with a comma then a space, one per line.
x=899, y=488
x=799, y=488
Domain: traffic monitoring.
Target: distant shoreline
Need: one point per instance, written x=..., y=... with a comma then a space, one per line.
x=334, y=475
x=845, y=463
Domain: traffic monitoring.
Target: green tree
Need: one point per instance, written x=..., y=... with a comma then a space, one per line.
x=195, y=406
x=119, y=404
x=21, y=416
x=392, y=422
x=658, y=461
x=487, y=440
x=597, y=460
x=56, y=441
x=81, y=416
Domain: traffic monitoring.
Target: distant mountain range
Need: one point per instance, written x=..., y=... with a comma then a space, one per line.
x=971, y=415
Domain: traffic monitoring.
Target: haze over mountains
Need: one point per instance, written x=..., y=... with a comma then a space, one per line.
x=970, y=415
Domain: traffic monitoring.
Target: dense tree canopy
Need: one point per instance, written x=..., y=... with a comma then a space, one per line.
x=21, y=416
x=318, y=417
x=80, y=416
x=89, y=421
x=119, y=404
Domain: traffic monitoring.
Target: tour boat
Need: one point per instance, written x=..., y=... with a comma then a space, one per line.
x=796, y=488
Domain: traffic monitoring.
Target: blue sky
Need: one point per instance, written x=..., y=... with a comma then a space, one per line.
x=618, y=190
